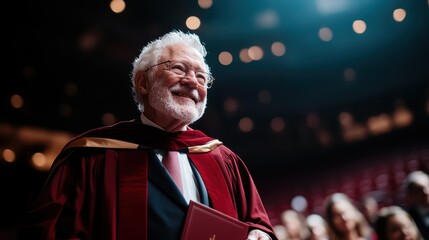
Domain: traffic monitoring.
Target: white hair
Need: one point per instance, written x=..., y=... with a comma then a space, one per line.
x=413, y=178
x=153, y=51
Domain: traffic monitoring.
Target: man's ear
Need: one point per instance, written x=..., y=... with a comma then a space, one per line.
x=141, y=82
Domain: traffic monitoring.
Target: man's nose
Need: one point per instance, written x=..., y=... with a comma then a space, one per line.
x=190, y=79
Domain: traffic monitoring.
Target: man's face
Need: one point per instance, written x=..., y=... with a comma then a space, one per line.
x=419, y=192
x=173, y=99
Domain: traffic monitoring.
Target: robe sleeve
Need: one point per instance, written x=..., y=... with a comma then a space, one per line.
x=244, y=193
x=67, y=205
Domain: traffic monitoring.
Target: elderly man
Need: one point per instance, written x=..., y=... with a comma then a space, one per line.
x=113, y=182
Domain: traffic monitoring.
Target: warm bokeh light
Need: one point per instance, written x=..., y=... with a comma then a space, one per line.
x=245, y=124
x=380, y=124
x=244, y=55
x=117, y=6
x=230, y=105
x=402, y=116
x=255, y=53
x=8, y=155
x=359, y=26
x=51, y=141
x=325, y=34
x=205, y=4
x=278, y=49
x=39, y=160
x=225, y=58
x=278, y=124
x=399, y=14
x=354, y=132
x=349, y=74
x=16, y=101
x=193, y=22
x=264, y=96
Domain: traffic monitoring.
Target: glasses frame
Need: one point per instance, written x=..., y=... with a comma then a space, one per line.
x=208, y=83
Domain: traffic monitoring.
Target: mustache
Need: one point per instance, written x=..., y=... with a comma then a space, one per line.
x=184, y=90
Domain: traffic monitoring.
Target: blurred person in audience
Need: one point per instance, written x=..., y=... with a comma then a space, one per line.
x=280, y=231
x=345, y=221
x=394, y=223
x=416, y=187
x=110, y=183
x=295, y=225
x=369, y=207
x=318, y=227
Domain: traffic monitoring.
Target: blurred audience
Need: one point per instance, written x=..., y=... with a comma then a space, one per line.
x=280, y=231
x=317, y=226
x=394, y=223
x=369, y=208
x=416, y=186
x=345, y=221
x=295, y=225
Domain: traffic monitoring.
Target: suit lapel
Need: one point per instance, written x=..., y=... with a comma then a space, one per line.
x=204, y=198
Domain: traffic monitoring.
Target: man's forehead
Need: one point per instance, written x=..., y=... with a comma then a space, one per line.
x=183, y=51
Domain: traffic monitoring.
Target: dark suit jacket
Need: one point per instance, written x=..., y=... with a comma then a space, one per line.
x=166, y=205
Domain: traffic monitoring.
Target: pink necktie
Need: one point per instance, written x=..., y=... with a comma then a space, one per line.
x=171, y=163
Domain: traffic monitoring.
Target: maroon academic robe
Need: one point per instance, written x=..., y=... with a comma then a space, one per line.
x=97, y=189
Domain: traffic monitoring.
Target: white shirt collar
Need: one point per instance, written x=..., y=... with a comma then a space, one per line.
x=146, y=121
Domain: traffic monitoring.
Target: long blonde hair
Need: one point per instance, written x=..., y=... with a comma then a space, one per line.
x=363, y=228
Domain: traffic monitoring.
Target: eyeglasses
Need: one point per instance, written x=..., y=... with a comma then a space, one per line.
x=182, y=69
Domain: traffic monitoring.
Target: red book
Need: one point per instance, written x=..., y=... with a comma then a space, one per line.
x=205, y=223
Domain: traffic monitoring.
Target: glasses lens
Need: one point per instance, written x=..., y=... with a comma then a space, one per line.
x=182, y=69
x=179, y=68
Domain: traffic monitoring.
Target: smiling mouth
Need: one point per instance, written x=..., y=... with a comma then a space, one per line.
x=185, y=96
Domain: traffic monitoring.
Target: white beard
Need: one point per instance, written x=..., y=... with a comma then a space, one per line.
x=161, y=99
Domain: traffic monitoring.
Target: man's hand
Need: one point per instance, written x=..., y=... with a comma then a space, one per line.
x=256, y=234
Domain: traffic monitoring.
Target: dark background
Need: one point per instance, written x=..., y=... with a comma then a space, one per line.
x=70, y=61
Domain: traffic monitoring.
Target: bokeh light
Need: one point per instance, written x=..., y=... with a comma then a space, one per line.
x=359, y=26
x=278, y=49
x=193, y=22
x=399, y=14
x=225, y=58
